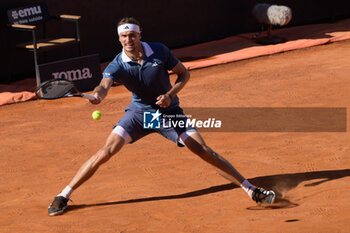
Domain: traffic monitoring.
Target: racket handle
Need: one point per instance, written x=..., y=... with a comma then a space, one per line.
x=89, y=97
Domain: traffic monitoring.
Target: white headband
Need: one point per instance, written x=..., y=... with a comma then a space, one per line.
x=128, y=27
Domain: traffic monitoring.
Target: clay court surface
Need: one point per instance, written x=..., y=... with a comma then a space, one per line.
x=154, y=186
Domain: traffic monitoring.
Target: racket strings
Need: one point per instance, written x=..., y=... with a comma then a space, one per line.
x=55, y=89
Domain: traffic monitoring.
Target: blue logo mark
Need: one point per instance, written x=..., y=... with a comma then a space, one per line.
x=151, y=120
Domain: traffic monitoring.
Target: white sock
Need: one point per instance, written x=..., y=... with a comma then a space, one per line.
x=66, y=192
x=248, y=188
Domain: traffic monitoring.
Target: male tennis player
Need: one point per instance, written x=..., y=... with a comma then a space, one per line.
x=143, y=69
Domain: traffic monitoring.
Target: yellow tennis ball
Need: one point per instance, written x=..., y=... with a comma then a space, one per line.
x=96, y=115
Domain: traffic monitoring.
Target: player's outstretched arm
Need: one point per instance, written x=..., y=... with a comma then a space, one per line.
x=100, y=92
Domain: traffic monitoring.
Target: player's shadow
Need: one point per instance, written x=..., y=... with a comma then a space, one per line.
x=283, y=182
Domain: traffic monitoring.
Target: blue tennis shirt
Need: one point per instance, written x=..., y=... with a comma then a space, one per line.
x=146, y=81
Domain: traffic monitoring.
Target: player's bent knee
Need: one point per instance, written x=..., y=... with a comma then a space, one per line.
x=113, y=145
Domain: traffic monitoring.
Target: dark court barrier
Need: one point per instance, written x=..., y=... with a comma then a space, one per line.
x=84, y=72
x=175, y=23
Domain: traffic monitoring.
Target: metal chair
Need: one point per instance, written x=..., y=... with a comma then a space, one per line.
x=31, y=19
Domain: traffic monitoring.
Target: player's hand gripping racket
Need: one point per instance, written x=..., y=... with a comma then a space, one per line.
x=59, y=88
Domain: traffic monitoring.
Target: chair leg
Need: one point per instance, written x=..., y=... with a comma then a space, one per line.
x=37, y=73
x=77, y=36
x=9, y=57
x=79, y=49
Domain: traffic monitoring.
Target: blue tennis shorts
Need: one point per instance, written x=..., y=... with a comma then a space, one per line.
x=133, y=122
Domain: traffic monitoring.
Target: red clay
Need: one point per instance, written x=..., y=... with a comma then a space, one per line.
x=154, y=186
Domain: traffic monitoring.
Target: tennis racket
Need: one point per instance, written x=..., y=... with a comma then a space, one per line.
x=59, y=88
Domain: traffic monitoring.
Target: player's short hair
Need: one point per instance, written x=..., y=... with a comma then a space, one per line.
x=130, y=20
